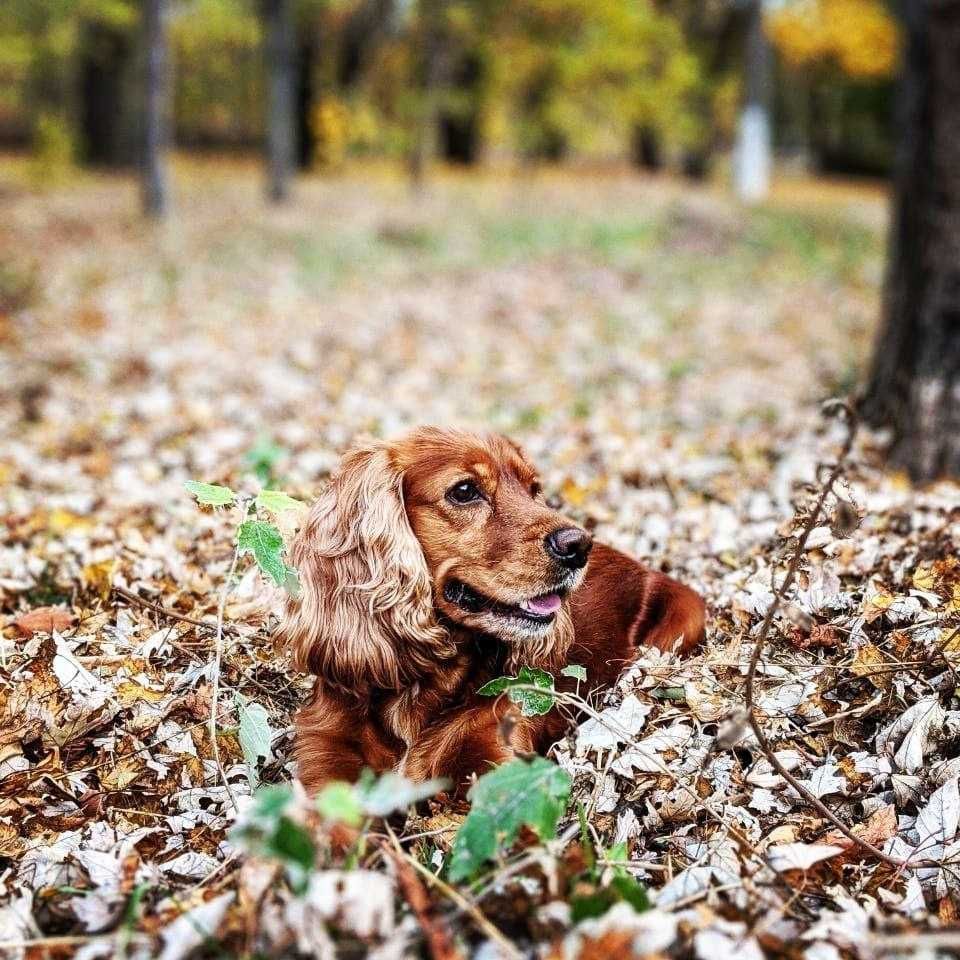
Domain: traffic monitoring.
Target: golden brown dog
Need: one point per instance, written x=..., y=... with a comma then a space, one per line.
x=431, y=565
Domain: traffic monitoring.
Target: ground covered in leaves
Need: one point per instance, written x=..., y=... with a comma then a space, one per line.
x=662, y=355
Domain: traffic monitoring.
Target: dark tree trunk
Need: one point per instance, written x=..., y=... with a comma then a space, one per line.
x=914, y=385
x=281, y=147
x=306, y=101
x=424, y=140
x=105, y=54
x=155, y=109
x=646, y=151
x=459, y=127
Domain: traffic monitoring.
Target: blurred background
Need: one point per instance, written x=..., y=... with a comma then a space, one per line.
x=654, y=220
x=474, y=83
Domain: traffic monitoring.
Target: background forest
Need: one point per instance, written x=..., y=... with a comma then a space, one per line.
x=489, y=80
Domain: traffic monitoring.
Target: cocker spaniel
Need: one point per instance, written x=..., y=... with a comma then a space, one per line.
x=431, y=565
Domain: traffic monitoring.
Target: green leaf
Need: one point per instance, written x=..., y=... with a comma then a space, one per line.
x=263, y=457
x=373, y=796
x=575, y=671
x=292, y=844
x=588, y=906
x=271, y=801
x=668, y=693
x=531, y=702
x=276, y=501
x=628, y=888
x=338, y=802
x=265, y=542
x=532, y=793
x=391, y=791
x=210, y=494
x=622, y=888
x=267, y=831
x=255, y=734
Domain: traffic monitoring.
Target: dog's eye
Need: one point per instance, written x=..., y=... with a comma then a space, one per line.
x=466, y=491
x=535, y=489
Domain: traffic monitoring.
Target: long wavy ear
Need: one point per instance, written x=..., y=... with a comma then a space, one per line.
x=365, y=614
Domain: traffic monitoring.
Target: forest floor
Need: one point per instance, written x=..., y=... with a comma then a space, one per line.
x=662, y=354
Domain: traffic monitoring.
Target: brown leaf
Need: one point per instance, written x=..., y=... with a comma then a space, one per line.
x=44, y=620
x=125, y=772
x=881, y=826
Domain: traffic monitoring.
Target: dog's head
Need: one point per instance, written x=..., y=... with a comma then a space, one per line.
x=413, y=539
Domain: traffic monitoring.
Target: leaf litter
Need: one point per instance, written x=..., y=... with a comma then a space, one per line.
x=660, y=425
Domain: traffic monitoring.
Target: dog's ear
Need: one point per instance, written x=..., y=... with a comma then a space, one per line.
x=365, y=613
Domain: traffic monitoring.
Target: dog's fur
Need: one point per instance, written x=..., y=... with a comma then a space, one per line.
x=398, y=659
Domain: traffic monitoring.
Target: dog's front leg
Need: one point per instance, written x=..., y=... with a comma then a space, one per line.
x=464, y=744
x=329, y=742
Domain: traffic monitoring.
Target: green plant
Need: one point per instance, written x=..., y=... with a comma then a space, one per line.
x=532, y=793
x=274, y=828
x=262, y=459
x=270, y=830
x=532, y=690
x=532, y=702
x=261, y=539
x=610, y=885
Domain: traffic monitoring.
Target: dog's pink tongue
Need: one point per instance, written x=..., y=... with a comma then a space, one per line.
x=541, y=606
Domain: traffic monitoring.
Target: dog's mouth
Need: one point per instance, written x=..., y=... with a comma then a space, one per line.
x=542, y=608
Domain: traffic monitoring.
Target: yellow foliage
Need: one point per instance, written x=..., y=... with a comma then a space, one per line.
x=331, y=127
x=858, y=36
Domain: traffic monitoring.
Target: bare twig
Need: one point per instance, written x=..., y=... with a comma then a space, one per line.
x=778, y=594
x=439, y=943
x=217, y=660
x=167, y=612
x=477, y=915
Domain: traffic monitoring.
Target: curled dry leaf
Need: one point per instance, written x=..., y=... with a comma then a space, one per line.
x=44, y=620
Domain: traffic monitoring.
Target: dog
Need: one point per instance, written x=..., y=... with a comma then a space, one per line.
x=431, y=565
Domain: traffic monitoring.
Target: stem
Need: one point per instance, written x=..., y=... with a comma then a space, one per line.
x=218, y=659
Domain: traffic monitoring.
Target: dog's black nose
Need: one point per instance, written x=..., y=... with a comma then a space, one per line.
x=570, y=546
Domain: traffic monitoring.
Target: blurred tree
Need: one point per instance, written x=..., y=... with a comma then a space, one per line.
x=713, y=32
x=753, y=156
x=106, y=54
x=279, y=55
x=427, y=43
x=914, y=384
x=155, y=107
x=568, y=73
x=839, y=58
x=106, y=49
x=307, y=54
x=218, y=89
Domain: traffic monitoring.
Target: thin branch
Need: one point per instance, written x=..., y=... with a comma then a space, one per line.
x=167, y=612
x=484, y=924
x=439, y=943
x=217, y=660
x=778, y=594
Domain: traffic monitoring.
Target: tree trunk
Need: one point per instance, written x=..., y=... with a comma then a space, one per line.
x=646, y=150
x=423, y=147
x=105, y=54
x=281, y=120
x=306, y=100
x=914, y=385
x=155, y=110
x=752, y=161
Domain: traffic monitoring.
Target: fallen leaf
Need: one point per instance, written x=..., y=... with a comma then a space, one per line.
x=44, y=620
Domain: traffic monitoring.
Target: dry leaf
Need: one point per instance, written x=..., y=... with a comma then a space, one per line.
x=44, y=620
